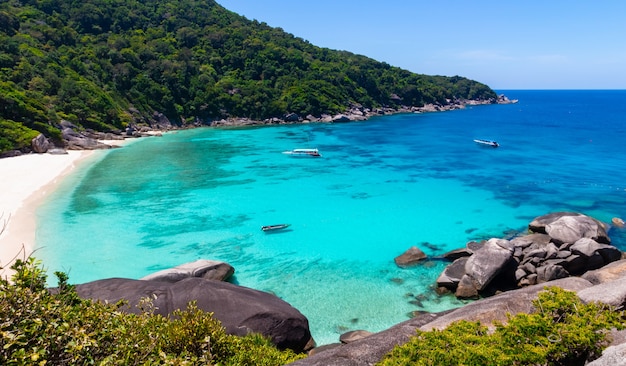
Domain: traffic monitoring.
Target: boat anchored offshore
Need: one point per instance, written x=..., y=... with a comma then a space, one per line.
x=275, y=227
x=487, y=143
x=304, y=152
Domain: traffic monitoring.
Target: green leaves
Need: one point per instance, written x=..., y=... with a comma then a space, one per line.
x=90, y=62
x=56, y=327
x=562, y=331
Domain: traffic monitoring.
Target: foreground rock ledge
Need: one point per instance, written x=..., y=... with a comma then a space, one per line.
x=241, y=310
x=590, y=287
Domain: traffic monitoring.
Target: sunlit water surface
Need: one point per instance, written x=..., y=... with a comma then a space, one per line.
x=382, y=186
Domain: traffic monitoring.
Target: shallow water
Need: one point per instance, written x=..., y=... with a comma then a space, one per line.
x=381, y=187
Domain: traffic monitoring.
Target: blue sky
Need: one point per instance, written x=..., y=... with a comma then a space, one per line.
x=526, y=44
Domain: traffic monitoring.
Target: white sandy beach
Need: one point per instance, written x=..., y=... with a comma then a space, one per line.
x=26, y=181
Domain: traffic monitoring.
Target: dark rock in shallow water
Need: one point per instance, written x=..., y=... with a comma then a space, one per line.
x=410, y=257
x=241, y=310
x=354, y=335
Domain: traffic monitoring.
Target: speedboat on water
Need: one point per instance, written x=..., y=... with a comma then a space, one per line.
x=304, y=152
x=487, y=143
x=275, y=227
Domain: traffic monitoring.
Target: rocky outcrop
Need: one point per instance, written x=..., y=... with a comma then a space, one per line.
x=488, y=262
x=567, y=227
x=412, y=256
x=607, y=273
x=496, y=308
x=356, y=112
x=77, y=140
x=560, y=245
x=241, y=310
x=202, y=268
x=40, y=144
x=368, y=350
x=371, y=349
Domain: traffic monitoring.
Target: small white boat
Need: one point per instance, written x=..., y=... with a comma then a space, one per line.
x=303, y=152
x=487, y=143
x=275, y=227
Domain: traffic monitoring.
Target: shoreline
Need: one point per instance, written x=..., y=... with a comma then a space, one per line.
x=29, y=180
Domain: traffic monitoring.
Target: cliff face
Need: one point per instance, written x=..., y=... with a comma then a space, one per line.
x=106, y=64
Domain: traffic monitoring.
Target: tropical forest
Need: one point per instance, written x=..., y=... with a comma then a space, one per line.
x=107, y=64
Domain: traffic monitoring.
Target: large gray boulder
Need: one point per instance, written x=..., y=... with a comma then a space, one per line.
x=241, y=310
x=40, y=144
x=568, y=227
x=611, y=293
x=589, y=248
x=612, y=356
x=202, y=268
x=610, y=272
x=488, y=262
x=452, y=274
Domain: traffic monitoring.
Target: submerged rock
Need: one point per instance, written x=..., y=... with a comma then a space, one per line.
x=412, y=256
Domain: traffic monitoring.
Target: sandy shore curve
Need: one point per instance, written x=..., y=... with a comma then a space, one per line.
x=26, y=181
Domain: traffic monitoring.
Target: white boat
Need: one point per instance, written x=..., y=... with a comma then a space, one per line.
x=487, y=143
x=304, y=152
x=275, y=227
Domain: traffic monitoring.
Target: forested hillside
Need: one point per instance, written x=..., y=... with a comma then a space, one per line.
x=103, y=64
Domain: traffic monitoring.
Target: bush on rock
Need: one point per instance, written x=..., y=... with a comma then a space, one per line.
x=562, y=331
x=38, y=326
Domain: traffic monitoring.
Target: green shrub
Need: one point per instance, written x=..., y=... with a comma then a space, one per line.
x=14, y=135
x=38, y=326
x=563, y=331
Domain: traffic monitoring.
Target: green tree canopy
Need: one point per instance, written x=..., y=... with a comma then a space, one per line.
x=92, y=62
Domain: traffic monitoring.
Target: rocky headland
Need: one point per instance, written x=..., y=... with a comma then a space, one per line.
x=75, y=138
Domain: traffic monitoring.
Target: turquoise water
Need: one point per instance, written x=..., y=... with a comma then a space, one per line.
x=381, y=187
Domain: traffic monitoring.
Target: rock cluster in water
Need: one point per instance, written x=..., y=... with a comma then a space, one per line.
x=558, y=245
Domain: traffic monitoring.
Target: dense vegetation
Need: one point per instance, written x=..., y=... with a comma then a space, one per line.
x=102, y=64
x=563, y=331
x=38, y=327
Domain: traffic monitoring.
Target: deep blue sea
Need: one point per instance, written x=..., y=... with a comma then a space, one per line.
x=382, y=186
